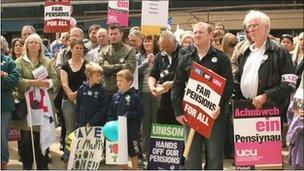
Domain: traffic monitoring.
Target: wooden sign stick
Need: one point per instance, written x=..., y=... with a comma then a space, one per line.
x=184, y=157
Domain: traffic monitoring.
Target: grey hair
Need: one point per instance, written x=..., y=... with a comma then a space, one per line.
x=102, y=30
x=4, y=45
x=253, y=14
x=37, y=38
x=167, y=35
x=136, y=33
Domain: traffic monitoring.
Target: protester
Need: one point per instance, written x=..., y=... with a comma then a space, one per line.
x=75, y=34
x=9, y=80
x=298, y=57
x=218, y=34
x=28, y=30
x=294, y=137
x=91, y=101
x=126, y=102
x=215, y=60
x=186, y=39
x=162, y=74
x=228, y=44
x=92, y=44
x=72, y=75
x=16, y=48
x=145, y=59
x=135, y=39
x=287, y=42
x=60, y=43
x=102, y=40
x=240, y=49
x=32, y=58
x=115, y=57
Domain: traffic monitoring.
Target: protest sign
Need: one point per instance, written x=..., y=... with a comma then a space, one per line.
x=117, y=151
x=257, y=136
x=202, y=96
x=56, y=16
x=87, y=150
x=166, y=145
x=118, y=12
x=154, y=16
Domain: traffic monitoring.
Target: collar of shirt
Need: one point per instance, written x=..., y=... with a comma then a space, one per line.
x=209, y=53
x=260, y=50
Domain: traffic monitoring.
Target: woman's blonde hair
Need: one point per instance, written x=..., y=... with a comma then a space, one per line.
x=297, y=47
x=37, y=38
x=92, y=68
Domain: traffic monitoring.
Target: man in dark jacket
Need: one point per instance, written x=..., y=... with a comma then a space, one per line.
x=265, y=68
x=9, y=80
x=162, y=74
x=215, y=60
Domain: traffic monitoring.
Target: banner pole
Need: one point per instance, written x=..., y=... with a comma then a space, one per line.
x=33, y=146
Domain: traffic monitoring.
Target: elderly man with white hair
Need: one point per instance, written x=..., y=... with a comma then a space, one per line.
x=265, y=68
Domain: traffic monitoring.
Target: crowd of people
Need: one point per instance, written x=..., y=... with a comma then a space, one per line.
x=143, y=79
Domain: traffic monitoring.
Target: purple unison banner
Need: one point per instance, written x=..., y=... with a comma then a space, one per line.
x=166, y=147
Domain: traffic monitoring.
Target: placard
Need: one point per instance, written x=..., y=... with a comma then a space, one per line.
x=257, y=136
x=87, y=150
x=56, y=16
x=118, y=12
x=202, y=96
x=166, y=147
x=154, y=16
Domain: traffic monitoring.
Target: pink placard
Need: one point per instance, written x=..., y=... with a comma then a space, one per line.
x=120, y=18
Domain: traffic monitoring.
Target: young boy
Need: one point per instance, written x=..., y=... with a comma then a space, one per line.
x=91, y=101
x=126, y=102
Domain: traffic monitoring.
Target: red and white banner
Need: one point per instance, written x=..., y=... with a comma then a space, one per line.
x=257, y=136
x=57, y=16
x=118, y=12
x=202, y=96
x=40, y=112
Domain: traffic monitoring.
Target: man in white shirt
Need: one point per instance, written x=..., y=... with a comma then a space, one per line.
x=265, y=68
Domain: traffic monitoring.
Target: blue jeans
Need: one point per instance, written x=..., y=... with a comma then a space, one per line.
x=5, y=120
x=214, y=147
x=69, y=114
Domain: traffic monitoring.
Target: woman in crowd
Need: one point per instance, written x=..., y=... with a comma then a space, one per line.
x=72, y=74
x=145, y=59
x=186, y=39
x=287, y=41
x=297, y=57
x=9, y=80
x=32, y=58
x=228, y=44
x=16, y=48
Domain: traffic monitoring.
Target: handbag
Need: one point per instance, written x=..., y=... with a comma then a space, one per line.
x=20, y=111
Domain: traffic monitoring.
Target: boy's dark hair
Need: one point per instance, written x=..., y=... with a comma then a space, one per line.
x=113, y=26
x=126, y=74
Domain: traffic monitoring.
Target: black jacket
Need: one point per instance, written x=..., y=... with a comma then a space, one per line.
x=127, y=104
x=215, y=60
x=271, y=70
x=91, y=105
